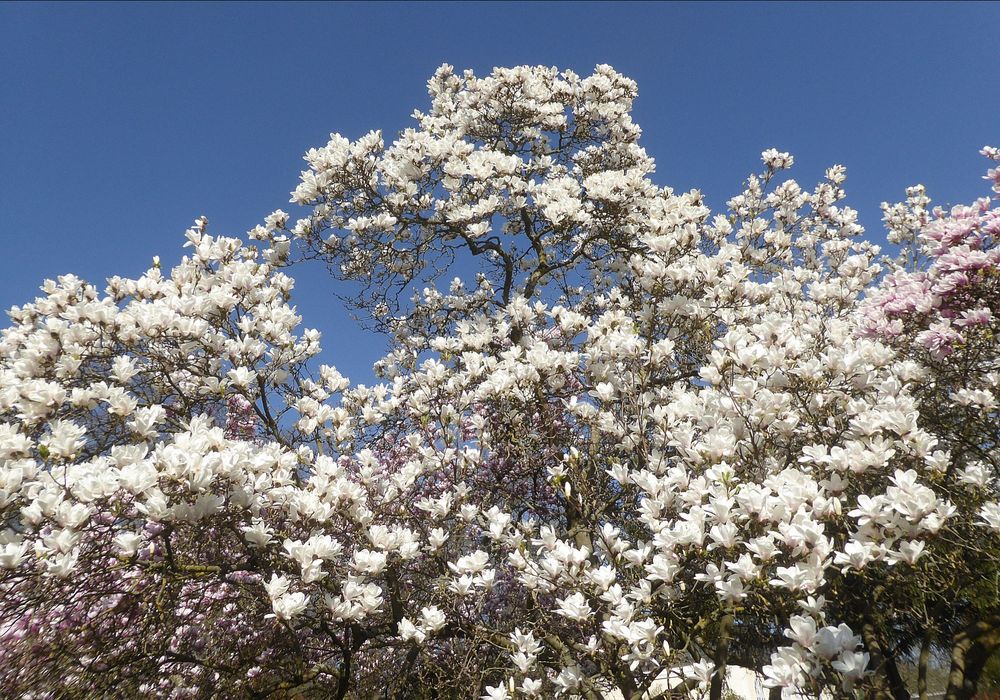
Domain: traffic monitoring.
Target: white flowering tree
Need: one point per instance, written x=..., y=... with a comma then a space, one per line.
x=621, y=445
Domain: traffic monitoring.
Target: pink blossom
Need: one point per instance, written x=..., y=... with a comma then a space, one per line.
x=975, y=317
x=939, y=340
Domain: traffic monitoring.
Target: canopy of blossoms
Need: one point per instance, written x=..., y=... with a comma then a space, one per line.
x=636, y=443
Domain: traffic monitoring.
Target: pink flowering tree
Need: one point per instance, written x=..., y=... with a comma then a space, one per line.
x=942, y=316
x=621, y=444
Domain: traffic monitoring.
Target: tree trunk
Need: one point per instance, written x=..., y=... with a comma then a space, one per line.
x=897, y=686
x=971, y=649
x=889, y=684
x=721, y=658
x=925, y=657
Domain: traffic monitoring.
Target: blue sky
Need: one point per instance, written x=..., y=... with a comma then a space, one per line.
x=120, y=123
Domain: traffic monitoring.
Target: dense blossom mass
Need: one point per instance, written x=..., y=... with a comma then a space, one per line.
x=621, y=443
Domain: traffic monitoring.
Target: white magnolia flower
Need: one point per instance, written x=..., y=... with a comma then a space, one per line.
x=289, y=605
x=574, y=607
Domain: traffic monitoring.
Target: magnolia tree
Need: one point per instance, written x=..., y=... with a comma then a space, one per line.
x=621, y=443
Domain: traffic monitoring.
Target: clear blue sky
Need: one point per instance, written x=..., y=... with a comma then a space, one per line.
x=120, y=123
